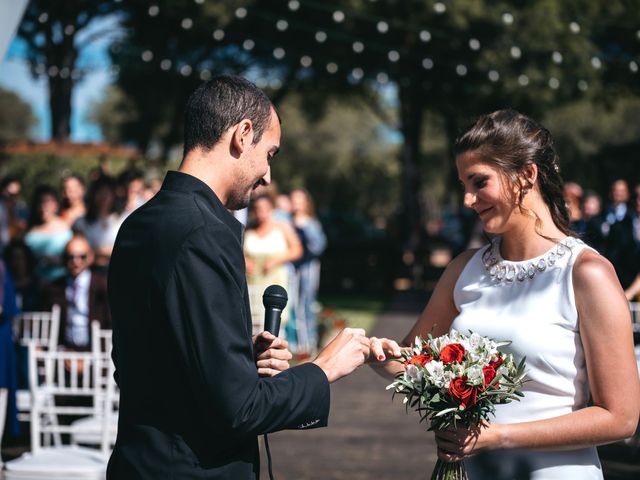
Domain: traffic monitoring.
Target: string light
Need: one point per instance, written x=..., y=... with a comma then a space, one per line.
x=461, y=70
x=153, y=10
x=493, y=75
x=515, y=52
x=507, y=18
x=52, y=71
x=382, y=26
x=278, y=53
x=261, y=82
x=382, y=77
x=523, y=80
x=293, y=5
x=439, y=7
x=596, y=63
x=186, y=70
x=43, y=17
x=64, y=72
x=554, y=83
x=147, y=56
x=574, y=27
x=556, y=57
x=205, y=75
x=321, y=37
x=69, y=29
x=165, y=64
x=425, y=35
x=306, y=61
x=241, y=13
x=40, y=68
x=218, y=34
x=186, y=23
x=282, y=25
x=200, y=2
x=357, y=73
x=338, y=16
x=393, y=56
x=583, y=85
x=248, y=44
x=474, y=44
x=638, y=34
x=427, y=64
x=332, y=67
x=633, y=66
x=358, y=47
x=275, y=83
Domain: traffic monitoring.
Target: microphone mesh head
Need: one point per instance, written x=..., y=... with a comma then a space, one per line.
x=275, y=296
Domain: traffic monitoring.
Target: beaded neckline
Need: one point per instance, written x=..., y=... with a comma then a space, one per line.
x=508, y=271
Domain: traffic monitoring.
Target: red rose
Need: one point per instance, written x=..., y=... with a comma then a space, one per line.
x=496, y=363
x=422, y=360
x=489, y=375
x=454, y=352
x=463, y=393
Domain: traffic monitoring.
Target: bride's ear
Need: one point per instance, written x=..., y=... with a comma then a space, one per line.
x=529, y=176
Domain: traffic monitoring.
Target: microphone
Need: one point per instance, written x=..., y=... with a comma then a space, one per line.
x=274, y=300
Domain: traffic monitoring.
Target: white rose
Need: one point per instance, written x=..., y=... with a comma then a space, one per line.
x=475, y=376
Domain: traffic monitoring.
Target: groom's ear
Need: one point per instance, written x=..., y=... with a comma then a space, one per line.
x=241, y=137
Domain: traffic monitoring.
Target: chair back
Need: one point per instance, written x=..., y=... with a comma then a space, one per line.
x=60, y=375
x=41, y=327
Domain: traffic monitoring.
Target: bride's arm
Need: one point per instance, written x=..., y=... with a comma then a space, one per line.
x=437, y=315
x=605, y=328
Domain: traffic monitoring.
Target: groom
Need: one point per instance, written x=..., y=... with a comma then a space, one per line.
x=195, y=388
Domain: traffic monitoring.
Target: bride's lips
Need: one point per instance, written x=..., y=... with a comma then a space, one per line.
x=482, y=212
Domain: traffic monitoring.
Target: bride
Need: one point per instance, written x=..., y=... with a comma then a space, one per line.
x=557, y=299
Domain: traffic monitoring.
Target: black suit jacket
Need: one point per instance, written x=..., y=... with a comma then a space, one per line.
x=55, y=294
x=191, y=401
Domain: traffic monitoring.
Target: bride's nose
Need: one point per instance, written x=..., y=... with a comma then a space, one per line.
x=469, y=199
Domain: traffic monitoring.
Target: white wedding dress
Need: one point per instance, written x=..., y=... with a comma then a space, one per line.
x=531, y=303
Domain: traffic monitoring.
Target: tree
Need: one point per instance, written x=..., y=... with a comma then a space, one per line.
x=16, y=117
x=55, y=33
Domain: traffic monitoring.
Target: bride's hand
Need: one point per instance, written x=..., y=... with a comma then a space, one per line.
x=381, y=348
x=455, y=444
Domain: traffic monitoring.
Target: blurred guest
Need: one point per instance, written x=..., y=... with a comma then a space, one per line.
x=102, y=221
x=13, y=212
x=594, y=218
x=269, y=246
x=283, y=208
x=21, y=263
x=47, y=234
x=81, y=294
x=8, y=361
x=632, y=292
x=151, y=188
x=573, y=194
x=131, y=182
x=313, y=242
x=73, y=204
x=617, y=229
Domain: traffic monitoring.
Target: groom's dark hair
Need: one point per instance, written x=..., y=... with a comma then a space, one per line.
x=219, y=104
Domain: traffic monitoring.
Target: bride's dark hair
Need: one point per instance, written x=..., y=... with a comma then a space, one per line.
x=511, y=141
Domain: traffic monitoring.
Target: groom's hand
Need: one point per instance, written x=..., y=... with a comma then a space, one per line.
x=272, y=354
x=381, y=348
x=344, y=353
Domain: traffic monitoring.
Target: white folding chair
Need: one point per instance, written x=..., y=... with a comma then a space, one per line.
x=64, y=374
x=88, y=430
x=40, y=328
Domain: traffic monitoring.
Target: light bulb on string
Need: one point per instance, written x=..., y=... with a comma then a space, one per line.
x=40, y=68
x=633, y=66
x=205, y=75
x=69, y=29
x=554, y=83
x=241, y=13
x=427, y=64
x=282, y=25
x=321, y=36
x=293, y=5
x=515, y=52
x=382, y=77
x=425, y=36
x=165, y=64
x=64, y=72
x=357, y=73
x=43, y=17
x=218, y=34
x=306, y=61
x=493, y=75
x=186, y=23
x=200, y=2
x=338, y=16
x=186, y=70
x=474, y=44
x=382, y=26
x=358, y=47
x=248, y=44
x=52, y=71
x=153, y=10
x=147, y=56
x=393, y=56
x=278, y=53
x=583, y=85
x=332, y=67
x=439, y=7
x=275, y=83
x=261, y=82
x=574, y=27
x=461, y=70
x=596, y=63
x=523, y=80
x=507, y=18
x=556, y=57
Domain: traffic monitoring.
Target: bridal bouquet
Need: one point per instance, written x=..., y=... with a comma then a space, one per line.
x=457, y=378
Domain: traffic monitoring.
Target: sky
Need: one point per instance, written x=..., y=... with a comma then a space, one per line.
x=15, y=76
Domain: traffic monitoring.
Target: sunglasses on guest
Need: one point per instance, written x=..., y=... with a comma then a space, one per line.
x=81, y=256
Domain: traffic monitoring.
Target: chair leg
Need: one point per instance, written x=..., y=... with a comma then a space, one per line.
x=3, y=415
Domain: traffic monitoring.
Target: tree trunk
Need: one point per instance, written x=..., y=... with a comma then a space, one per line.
x=63, y=56
x=411, y=117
